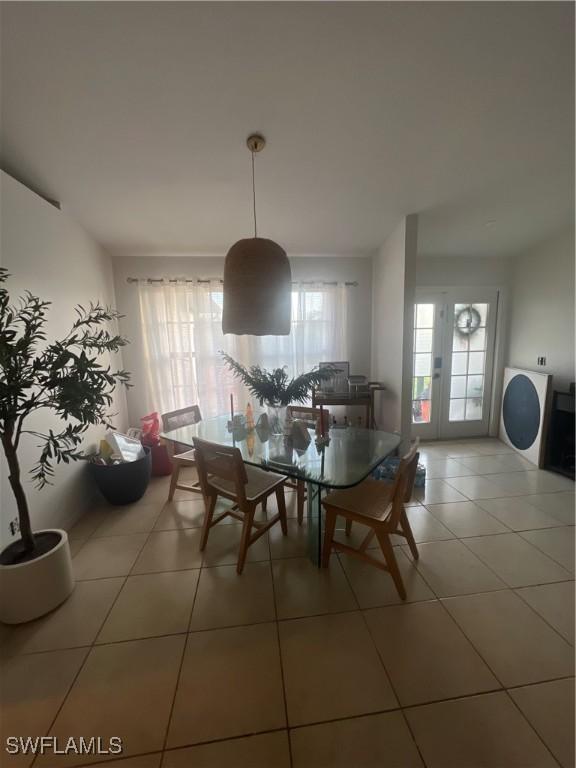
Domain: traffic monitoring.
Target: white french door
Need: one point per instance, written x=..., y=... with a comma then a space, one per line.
x=454, y=334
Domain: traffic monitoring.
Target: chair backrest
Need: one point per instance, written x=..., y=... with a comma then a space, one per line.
x=183, y=417
x=309, y=414
x=404, y=482
x=215, y=461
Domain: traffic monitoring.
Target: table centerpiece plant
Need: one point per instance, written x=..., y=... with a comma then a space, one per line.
x=276, y=389
x=69, y=378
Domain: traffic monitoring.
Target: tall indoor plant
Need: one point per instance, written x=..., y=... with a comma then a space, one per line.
x=69, y=378
x=275, y=388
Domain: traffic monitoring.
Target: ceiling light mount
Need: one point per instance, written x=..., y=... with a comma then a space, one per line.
x=255, y=142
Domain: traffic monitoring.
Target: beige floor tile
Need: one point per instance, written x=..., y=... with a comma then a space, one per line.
x=357, y=534
x=551, y=482
x=225, y=599
x=32, y=690
x=141, y=761
x=438, y=492
x=476, y=487
x=549, y=707
x=151, y=604
x=561, y=506
x=448, y=667
x=132, y=518
x=516, y=562
x=176, y=515
x=291, y=502
x=478, y=732
x=532, y=482
x=76, y=545
x=224, y=545
x=125, y=690
x=442, y=468
x=465, y=518
x=515, y=642
x=87, y=523
x=108, y=557
x=493, y=465
x=557, y=543
x=74, y=623
x=450, y=568
x=373, y=587
x=516, y=513
x=170, y=551
x=230, y=685
x=293, y=545
x=492, y=446
x=425, y=527
x=332, y=669
x=303, y=589
x=555, y=603
x=372, y=741
x=268, y=750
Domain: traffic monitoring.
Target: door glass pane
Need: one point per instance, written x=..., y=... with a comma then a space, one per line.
x=457, y=410
x=459, y=363
x=475, y=386
x=476, y=362
x=458, y=386
x=422, y=365
x=421, y=388
x=478, y=340
x=474, y=409
x=424, y=317
x=423, y=341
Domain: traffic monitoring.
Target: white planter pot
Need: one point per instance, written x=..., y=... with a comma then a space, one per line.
x=31, y=589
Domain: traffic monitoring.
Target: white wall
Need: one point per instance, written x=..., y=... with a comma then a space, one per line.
x=542, y=309
x=340, y=268
x=453, y=271
x=50, y=255
x=392, y=322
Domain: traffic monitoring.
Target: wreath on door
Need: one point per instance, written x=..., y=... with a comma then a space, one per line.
x=467, y=321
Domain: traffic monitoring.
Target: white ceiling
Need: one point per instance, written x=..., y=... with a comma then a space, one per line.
x=135, y=115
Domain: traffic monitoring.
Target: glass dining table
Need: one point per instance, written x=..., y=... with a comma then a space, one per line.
x=344, y=459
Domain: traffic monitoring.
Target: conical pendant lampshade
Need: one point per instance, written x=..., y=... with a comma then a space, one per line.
x=257, y=281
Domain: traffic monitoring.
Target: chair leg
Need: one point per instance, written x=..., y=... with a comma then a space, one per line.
x=210, y=503
x=390, y=557
x=348, y=527
x=329, y=527
x=281, y=503
x=174, y=478
x=300, y=494
x=405, y=525
x=245, y=540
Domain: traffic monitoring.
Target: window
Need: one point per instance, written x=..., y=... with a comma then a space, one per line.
x=182, y=334
x=468, y=362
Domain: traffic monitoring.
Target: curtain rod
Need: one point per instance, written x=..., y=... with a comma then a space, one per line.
x=219, y=280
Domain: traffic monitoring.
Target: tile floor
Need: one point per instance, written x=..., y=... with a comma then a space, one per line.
x=289, y=665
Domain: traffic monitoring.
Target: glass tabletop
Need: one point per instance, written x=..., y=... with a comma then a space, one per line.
x=350, y=455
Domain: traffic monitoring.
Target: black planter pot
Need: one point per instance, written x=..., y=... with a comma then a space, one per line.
x=123, y=483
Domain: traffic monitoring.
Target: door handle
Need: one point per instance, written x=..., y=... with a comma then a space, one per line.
x=436, y=376
x=437, y=362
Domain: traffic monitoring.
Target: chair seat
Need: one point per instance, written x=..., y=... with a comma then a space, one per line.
x=371, y=498
x=259, y=482
x=186, y=456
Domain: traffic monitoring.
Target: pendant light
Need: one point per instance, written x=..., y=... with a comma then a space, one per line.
x=257, y=279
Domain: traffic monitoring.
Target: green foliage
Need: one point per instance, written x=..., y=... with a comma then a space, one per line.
x=66, y=376
x=274, y=387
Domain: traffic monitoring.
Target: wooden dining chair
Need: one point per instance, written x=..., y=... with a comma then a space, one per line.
x=380, y=507
x=181, y=455
x=309, y=415
x=222, y=472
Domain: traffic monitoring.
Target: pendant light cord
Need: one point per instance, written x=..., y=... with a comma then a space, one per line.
x=254, y=195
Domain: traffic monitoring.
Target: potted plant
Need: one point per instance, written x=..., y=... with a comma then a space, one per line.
x=275, y=389
x=68, y=378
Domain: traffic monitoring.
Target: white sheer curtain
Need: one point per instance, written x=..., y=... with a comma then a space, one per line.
x=182, y=334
